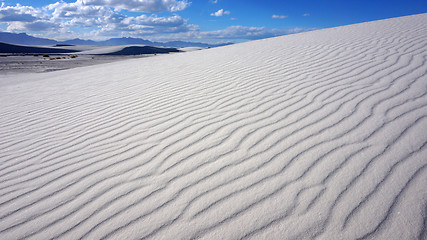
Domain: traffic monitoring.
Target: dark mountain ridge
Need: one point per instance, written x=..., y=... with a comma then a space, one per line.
x=24, y=39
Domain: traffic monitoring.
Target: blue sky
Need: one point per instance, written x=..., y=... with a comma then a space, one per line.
x=197, y=20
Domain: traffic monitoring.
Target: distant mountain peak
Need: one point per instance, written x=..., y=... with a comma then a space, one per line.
x=25, y=39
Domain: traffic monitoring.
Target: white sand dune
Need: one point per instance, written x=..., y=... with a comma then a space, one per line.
x=190, y=49
x=100, y=50
x=128, y=50
x=314, y=135
x=91, y=50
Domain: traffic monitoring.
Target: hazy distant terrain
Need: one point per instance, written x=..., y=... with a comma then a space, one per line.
x=22, y=58
x=22, y=38
x=37, y=64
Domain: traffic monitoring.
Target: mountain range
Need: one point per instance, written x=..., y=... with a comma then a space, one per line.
x=23, y=38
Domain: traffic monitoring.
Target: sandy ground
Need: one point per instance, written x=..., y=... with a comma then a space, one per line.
x=13, y=64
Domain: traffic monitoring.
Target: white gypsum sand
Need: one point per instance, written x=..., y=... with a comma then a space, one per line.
x=319, y=134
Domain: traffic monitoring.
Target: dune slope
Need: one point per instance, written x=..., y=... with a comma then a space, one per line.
x=313, y=135
x=134, y=50
x=11, y=48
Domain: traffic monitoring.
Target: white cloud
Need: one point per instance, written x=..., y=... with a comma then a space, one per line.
x=32, y=26
x=25, y=18
x=69, y=15
x=78, y=9
x=235, y=32
x=153, y=20
x=154, y=24
x=213, y=1
x=220, y=13
x=141, y=5
x=66, y=17
x=306, y=14
x=90, y=19
x=20, y=13
x=279, y=16
x=109, y=22
x=249, y=33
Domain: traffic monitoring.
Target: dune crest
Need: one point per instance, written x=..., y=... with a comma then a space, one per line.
x=314, y=135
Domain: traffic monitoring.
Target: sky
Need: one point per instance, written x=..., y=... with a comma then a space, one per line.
x=211, y=21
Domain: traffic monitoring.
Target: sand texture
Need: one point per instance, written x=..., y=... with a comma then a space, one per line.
x=314, y=135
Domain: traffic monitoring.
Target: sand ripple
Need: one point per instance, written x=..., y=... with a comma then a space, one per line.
x=314, y=135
